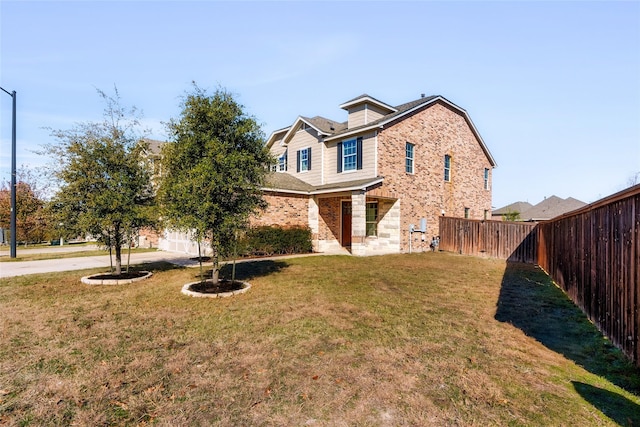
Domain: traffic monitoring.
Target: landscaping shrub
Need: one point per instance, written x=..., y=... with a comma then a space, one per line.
x=274, y=240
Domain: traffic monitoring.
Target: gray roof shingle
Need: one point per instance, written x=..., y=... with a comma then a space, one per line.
x=283, y=181
x=519, y=207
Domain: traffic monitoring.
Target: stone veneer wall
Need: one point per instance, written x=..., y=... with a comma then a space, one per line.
x=388, y=239
x=435, y=131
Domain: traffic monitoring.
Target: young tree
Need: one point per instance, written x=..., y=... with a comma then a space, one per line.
x=511, y=216
x=213, y=169
x=105, y=186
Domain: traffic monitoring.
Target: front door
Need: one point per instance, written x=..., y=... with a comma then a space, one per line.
x=346, y=224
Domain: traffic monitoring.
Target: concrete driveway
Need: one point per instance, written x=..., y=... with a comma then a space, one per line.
x=21, y=268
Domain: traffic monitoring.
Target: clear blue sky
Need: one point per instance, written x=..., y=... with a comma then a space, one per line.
x=553, y=87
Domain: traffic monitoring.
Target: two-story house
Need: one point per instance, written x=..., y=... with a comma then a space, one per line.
x=360, y=184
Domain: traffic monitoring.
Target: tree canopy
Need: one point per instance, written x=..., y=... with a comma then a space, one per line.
x=33, y=222
x=105, y=188
x=213, y=169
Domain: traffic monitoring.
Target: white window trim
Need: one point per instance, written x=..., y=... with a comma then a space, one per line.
x=447, y=168
x=282, y=162
x=355, y=155
x=306, y=151
x=412, y=158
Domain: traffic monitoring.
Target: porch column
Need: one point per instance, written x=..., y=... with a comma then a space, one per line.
x=314, y=216
x=358, y=222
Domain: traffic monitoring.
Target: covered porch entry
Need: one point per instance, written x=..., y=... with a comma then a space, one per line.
x=363, y=222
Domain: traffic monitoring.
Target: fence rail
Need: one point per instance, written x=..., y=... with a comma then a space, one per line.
x=593, y=254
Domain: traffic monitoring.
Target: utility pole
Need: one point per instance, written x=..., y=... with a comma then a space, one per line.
x=12, y=94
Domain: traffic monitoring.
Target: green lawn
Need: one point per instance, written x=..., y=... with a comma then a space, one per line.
x=416, y=340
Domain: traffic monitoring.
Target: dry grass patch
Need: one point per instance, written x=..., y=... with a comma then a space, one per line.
x=422, y=339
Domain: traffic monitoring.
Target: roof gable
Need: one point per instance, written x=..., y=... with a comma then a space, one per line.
x=366, y=99
x=274, y=136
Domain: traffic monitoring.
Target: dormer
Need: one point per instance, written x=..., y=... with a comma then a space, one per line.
x=365, y=109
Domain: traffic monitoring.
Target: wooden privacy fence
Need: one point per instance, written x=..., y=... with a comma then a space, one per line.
x=593, y=254
x=514, y=241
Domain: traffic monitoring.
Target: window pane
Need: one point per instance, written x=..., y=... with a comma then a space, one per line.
x=447, y=167
x=282, y=163
x=304, y=160
x=372, y=219
x=408, y=164
x=349, y=155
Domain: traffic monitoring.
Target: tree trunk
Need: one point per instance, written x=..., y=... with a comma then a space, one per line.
x=215, y=272
x=129, y=242
x=200, y=261
x=118, y=259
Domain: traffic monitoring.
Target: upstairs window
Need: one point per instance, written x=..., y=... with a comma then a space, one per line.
x=408, y=163
x=486, y=178
x=350, y=155
x=447, y=168
x=282, y=162
x=303, y=160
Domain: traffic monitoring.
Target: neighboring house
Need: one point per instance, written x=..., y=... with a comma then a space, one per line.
x=549, y=208
x=514, y=209
x=360, y=184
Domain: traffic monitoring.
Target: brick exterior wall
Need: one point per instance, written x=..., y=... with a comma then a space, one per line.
x=436, y=131
x=329, y=209
x=148, y=238
x=286, y=210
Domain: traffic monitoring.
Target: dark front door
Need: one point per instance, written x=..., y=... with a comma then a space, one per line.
x=346, y=224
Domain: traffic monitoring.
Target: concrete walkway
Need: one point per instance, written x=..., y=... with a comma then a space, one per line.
x=21, y=268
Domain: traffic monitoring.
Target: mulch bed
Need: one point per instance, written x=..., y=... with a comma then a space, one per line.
x=123, y=276
x=208, y=287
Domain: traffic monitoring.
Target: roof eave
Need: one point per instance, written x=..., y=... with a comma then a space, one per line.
x=363, y=187
x=369, y=99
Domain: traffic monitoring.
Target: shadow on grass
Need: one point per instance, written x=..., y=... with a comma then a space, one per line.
x=620, y=409
x=248, y=270
x=154, y=266
x=530, y=301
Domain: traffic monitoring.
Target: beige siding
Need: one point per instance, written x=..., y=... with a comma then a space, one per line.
x=374, y=113
x=368, y=170
x=277, y=149
x=305, y=139
x=356, y=116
